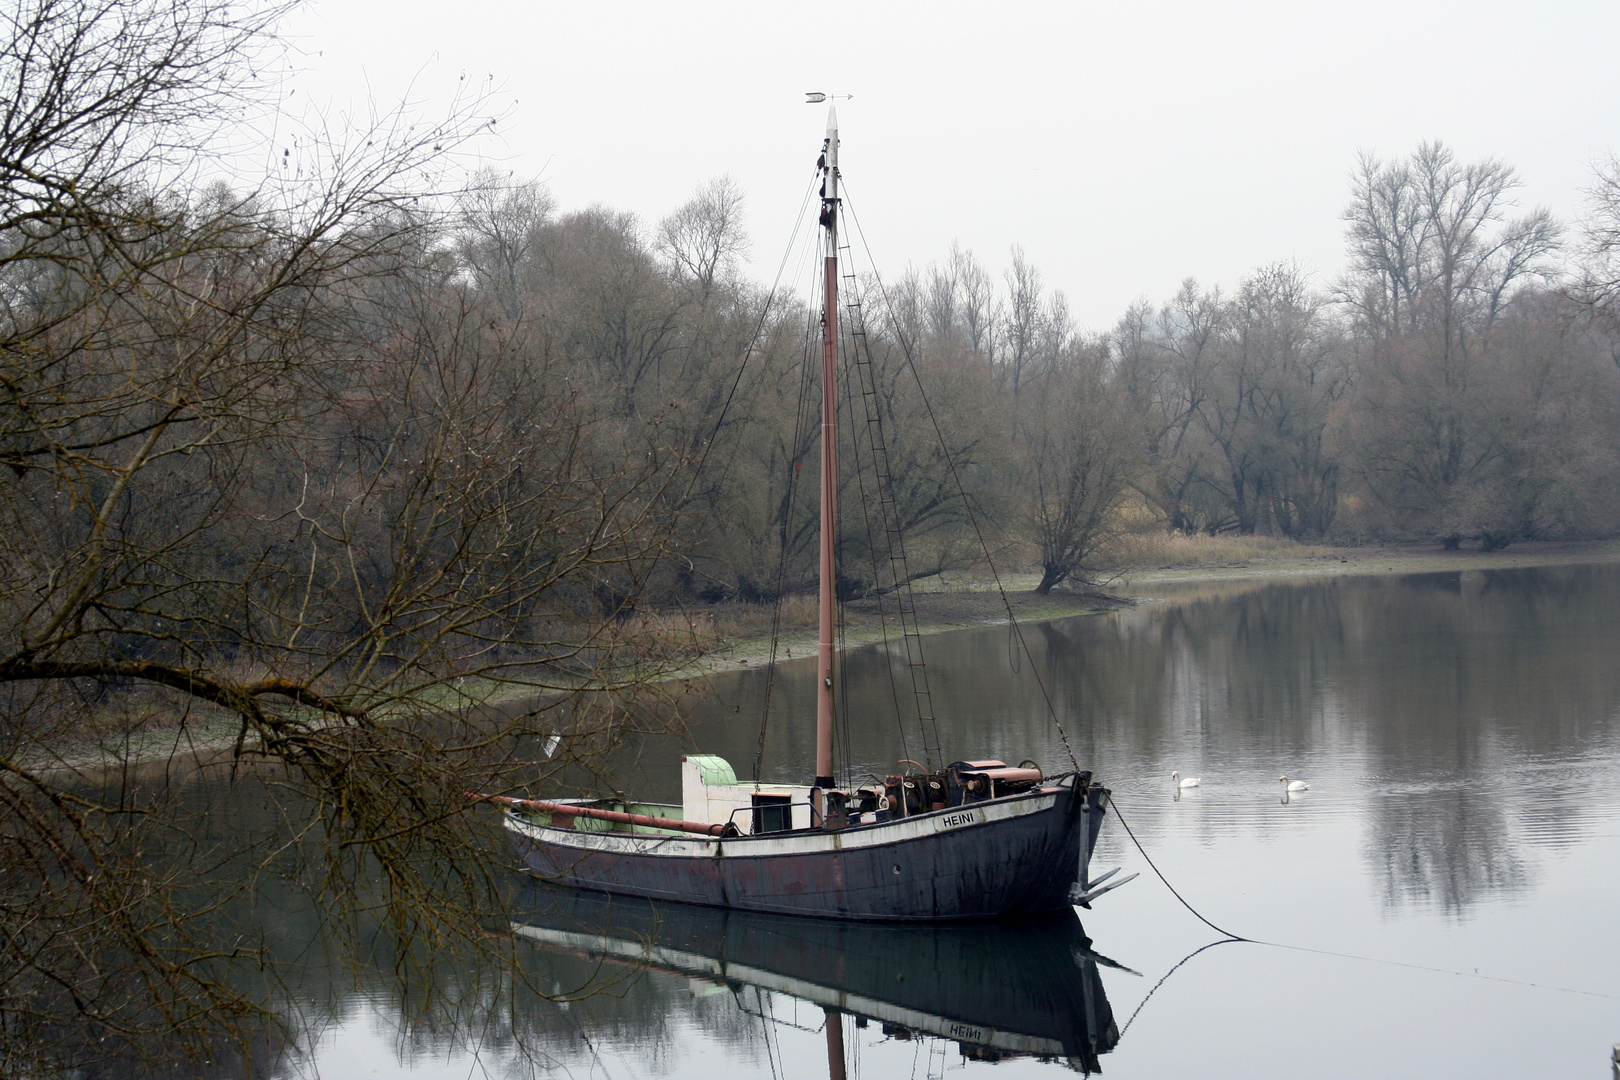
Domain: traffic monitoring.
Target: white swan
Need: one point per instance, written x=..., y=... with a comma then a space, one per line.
x=1191, y=781
x=1293, y=785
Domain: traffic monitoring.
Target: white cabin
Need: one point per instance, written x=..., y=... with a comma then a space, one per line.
x=710, y=794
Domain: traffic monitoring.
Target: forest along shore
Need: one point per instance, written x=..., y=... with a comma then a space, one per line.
x=953, y=603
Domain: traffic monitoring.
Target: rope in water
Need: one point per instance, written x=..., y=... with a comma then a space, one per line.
x=1113, y=804
x=1229, y=937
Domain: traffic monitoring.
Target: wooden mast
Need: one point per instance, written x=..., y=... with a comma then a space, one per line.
x=836, y=1065
x=829, y=462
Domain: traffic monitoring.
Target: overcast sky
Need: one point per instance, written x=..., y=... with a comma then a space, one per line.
x=1125, y=146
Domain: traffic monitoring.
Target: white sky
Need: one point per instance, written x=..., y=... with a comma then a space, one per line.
x=1125, y=146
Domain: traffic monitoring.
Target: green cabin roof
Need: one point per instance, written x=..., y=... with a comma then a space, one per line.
x=716, y=771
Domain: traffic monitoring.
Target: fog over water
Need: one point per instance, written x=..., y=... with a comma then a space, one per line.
x=1442, y=897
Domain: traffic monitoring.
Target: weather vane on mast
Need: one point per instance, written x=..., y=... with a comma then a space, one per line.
x=811, y=97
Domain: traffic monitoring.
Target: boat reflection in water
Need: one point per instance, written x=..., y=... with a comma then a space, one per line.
x=999, y=990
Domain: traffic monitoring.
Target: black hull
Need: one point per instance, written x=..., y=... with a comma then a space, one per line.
x=1006, y=857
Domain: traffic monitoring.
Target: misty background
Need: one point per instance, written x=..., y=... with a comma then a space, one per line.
x=1125, y=147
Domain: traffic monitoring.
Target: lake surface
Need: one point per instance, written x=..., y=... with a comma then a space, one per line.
x=1444, y=900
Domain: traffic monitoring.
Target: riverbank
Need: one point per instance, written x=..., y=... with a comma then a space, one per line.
x=1164, y=581
x=957, y=602
x=721, y=640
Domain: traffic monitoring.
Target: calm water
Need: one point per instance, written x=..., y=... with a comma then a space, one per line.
x=1445, y=898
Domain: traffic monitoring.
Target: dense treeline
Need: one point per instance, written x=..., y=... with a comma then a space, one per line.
x=1458, y=382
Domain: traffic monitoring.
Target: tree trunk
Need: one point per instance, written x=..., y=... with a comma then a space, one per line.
x=1051, y=575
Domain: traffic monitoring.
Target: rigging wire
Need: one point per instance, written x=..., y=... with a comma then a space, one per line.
x=794, y=464
x=871, y=545
x=841, y=701
x=725, y=409
x=842, y=754
x=779, y=587
x=865, y=372
x=767, y=1023
x=1113, y=804
x=840, y=622
x=841, y=712
x=967, y=505
x=748, y=352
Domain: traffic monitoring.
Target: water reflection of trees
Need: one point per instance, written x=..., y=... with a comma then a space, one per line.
x=1443, y=688
x=276, y=924
x=1449, y=847
x=1454, y=695
x=1471, y=681
x=1456, y=683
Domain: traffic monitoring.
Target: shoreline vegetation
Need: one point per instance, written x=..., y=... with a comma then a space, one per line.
x=727, y=638
x=1176, y=568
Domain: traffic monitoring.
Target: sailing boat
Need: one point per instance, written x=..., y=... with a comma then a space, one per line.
x=977, y=840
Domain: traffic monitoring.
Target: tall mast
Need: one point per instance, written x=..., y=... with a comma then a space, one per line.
x=829, y=459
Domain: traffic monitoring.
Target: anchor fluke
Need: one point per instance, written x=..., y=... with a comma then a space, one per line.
x=1086, y=896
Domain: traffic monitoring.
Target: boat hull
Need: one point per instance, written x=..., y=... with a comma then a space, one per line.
x=1009, y=856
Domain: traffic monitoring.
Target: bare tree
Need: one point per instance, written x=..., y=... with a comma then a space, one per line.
x=1021, y=324
x=1080, y=447
x=1166, y=362
x=498, y=226
x=1295, y=369
x=704, y=238
x=1598, y=285
x=978, y=306
x=1435, y=260
x=1433, y=248
x=278, y=490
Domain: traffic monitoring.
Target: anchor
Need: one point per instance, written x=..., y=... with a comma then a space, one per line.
x=1085, y=889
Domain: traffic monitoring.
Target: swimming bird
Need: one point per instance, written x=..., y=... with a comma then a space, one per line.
x=1191, y=781
x=1293, y=785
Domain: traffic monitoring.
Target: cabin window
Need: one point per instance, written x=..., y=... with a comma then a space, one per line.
x=771, y=813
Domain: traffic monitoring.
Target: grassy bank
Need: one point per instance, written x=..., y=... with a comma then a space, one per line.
x=729, y=637
x=1281, y=559
x=1163, y=567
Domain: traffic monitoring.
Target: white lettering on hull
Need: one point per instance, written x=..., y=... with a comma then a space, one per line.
x=956, y=819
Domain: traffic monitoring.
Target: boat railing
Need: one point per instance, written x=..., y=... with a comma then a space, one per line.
x=1051, y=783
x=564, y=813
x=815, y=815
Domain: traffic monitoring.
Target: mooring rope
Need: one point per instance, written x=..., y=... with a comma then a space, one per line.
x=1113, y=804
x=1228, y=937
